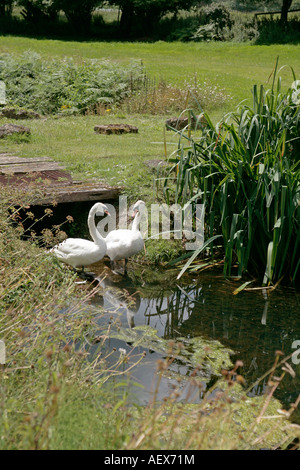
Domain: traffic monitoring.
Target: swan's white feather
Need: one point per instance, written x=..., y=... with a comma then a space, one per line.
x=123, y=243
x=80, y=252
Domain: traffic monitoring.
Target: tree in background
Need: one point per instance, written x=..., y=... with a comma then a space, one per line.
x=78, y=12
x=144, y=14
x=37, y=10
x=285, y=5
x=5, y=7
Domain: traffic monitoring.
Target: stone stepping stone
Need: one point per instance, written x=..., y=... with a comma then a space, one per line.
x=13, y=113
x=11, y=129
x=115, y=129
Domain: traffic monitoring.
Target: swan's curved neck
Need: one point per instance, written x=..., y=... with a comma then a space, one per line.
x=95, y=234
x=136, y=221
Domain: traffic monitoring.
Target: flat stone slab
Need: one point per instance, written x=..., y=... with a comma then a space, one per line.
x=115, y=129
x=10, y=129
x=13, y=113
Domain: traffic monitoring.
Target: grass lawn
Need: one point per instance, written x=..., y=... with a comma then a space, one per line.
x=234, y=66
x=119, y=159
x=115, y=159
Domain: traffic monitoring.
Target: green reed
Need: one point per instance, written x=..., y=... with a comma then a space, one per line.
x=245, y=170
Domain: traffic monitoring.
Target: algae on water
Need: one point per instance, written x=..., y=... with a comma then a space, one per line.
x=210, y=356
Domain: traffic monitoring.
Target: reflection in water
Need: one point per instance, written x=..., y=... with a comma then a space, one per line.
x=254, y=324
x=117, y=299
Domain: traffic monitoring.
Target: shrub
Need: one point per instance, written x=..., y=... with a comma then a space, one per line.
x=271, y=31
x=163, y=98
x=215, y=22
x=244, y=28
x=37, y=10
x=6, y=7
x=64, y=86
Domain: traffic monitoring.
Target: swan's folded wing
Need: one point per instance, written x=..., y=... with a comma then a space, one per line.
x=123, y=243
x=119, y=239
x=72, y=246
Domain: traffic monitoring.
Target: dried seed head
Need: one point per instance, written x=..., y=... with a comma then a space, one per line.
x=49, y=353
x=239, y=364
x=279, y=353
x=68, y=363
x=54, y=389
x=161, y=365
x=48, y=212
x=240, y=379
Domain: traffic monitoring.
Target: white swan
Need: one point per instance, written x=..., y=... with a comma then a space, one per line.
x=124, y=243
x=79, y=252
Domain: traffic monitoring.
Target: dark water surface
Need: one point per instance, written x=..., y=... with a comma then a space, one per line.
x=253, y=324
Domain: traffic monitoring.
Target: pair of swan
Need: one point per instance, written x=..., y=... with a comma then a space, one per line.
x=119, y=244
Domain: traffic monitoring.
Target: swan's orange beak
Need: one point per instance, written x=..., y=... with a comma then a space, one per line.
x=107, y=213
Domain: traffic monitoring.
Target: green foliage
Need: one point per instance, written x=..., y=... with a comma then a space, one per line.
x=270, y=31
x=158, y=252
x=64, y=86
x=219, y=15
x=38, y=11
x=215, y=22
x=163, y=98
x=6, y=7
x=283, y=5
x=180, y=20
x=246, y=173
x=141, y=16
x=78, y=12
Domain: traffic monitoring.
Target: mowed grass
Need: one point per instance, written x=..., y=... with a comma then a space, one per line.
x=120, y=159
x=234, y=66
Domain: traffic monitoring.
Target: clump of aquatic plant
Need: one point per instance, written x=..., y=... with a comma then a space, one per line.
x=245, y=170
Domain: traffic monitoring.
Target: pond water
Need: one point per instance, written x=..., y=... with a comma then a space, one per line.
x=254, y=325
